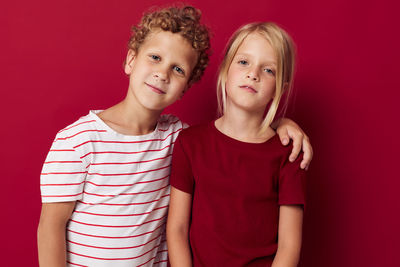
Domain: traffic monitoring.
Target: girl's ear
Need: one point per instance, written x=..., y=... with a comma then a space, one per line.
x=285, y=86
x=130, y=57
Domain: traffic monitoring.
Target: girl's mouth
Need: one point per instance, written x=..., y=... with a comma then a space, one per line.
x=248, y=88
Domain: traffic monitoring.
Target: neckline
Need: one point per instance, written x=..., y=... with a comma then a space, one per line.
x=94, y=113
x=237, y=142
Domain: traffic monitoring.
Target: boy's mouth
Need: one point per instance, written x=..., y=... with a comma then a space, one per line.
x=248, y=88
x=155, y=89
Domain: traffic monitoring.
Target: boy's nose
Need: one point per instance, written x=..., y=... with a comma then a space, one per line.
x=161, y=75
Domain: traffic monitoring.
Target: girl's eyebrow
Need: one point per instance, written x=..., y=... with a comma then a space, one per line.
x=271, y=62
x=242, y=54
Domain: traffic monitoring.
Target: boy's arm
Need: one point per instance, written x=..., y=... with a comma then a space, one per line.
x=178, y=228
x=288, y=129
x=289, y=236
x=51, y=233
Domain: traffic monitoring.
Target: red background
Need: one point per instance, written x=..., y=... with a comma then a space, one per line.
x=61, y=58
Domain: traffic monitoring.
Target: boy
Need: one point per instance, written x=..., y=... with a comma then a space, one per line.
x=105, y=188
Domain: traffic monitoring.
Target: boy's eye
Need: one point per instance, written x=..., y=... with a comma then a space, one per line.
x=155, y=57
x=242, y=62
x=179, y=70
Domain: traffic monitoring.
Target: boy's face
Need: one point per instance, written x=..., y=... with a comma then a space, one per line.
x=159, y=72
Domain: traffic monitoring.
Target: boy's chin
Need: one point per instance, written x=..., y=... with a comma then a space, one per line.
x=153, y=104
x=155, y=107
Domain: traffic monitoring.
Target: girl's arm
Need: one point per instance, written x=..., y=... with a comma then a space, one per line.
x=51, y=233
x=288, y=129
x=289, y=236
x=178, y=228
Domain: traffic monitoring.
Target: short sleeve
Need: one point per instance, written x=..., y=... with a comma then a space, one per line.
x=185, y=125
x=63, y=173
x=292, y=181
x=181, y=172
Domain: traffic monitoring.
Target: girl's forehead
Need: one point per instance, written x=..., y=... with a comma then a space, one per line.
x=256, y=45
x=255, y=40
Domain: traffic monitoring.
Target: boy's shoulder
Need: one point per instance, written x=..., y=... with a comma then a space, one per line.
x=91, y=124
x=169, y=120
x=85, y=123
x=84, y=130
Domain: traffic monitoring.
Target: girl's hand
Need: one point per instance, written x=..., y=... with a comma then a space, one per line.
x=288, y=129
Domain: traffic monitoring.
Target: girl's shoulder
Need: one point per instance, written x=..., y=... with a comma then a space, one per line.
x=196, y=132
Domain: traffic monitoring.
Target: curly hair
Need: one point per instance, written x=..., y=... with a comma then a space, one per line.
x=184, y=21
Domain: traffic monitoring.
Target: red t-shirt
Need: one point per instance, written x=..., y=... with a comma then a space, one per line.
x=237, y=188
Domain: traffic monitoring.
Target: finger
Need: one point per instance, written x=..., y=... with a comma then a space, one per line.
x=284, y=137
x=297, y=142
x=308, y=153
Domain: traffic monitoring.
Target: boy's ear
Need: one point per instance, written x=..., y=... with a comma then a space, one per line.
x=130, y=57
x=184, y=90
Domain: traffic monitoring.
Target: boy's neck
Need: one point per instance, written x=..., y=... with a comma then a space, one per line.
x=244, y=126
x=130, y=119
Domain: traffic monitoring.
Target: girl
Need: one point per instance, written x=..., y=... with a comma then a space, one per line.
x=234, y=192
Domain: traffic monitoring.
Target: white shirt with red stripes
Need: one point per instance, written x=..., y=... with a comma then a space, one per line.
x=121, y=187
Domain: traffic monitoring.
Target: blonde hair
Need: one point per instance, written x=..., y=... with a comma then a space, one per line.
x=284, y=49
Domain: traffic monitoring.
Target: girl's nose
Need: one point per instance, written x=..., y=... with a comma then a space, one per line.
x=252, y=76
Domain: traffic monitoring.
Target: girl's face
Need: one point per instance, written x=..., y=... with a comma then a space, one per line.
x=250, y=82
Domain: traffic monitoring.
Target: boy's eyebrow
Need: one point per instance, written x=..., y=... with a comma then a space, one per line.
x=159, y=52
x=184, y=66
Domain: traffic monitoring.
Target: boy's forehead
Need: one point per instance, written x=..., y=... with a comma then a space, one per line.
x=162, y=38
x=173, y=44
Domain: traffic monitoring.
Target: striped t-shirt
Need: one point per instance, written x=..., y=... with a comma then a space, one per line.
x=121, y=187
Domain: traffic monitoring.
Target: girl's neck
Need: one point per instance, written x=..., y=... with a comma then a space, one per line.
x=244, y=126
x=130, y=118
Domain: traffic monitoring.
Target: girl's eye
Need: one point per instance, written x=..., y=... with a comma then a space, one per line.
x=242, y=62
x=270, y=71
x=179, y=70
x=155, y=57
